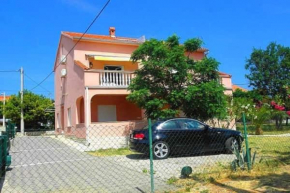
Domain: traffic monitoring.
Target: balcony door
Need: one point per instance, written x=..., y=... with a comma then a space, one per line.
x=113, y=76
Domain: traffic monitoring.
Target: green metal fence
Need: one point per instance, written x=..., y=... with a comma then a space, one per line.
x=10, y=130
x=116, y=157
x=5, y=137
x=5, y=158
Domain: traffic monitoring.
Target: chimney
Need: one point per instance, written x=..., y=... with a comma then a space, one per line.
x=112, y=32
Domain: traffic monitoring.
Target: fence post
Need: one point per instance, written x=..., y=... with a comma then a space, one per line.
x=151, y=156
x=247, y=143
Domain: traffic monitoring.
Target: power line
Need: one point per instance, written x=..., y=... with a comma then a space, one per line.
x=9, y=90
x=97, y=16
x=241, y=84
x=9, y=70
x=36, y=83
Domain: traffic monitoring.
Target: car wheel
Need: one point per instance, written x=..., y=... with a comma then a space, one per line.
x=160, y=150
x=231, y=143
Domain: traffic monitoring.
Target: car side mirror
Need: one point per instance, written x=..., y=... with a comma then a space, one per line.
x=206, y=127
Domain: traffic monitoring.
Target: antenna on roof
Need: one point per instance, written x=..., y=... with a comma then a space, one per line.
x=141, y=39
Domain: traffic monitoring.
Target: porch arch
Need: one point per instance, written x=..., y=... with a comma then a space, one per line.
x=80, y=112
x=125, y=110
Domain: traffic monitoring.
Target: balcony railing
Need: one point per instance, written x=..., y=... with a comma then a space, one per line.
x=114, y=78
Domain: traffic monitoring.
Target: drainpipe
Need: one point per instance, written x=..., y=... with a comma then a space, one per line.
x=87, y=113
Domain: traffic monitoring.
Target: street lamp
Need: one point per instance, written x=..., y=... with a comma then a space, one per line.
x=4, y=100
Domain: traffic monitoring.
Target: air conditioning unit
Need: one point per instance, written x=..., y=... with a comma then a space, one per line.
x=63, y=73
x=62, y=59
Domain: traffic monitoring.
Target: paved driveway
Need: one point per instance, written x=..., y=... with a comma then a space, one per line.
x=44, y=164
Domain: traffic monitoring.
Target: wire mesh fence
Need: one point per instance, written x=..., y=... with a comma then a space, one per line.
x=114, y=157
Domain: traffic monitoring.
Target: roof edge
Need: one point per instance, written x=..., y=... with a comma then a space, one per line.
x=81, y=65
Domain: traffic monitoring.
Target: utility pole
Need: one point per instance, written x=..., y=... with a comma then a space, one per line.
x=21, y=94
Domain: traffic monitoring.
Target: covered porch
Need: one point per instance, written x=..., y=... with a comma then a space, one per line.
x=113, y=108
x=108, y=120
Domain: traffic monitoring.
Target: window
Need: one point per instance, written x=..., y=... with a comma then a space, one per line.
x=170, y=125
x=221, y=80
x=190, y=124
x=113, y=68
x=69, y=117
x=113, y=76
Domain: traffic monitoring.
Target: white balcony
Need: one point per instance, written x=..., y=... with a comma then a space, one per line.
x=108, y=78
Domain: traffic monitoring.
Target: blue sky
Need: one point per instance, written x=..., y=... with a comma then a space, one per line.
x=30, y=30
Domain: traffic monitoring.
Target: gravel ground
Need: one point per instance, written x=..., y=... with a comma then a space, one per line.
x=171, y=167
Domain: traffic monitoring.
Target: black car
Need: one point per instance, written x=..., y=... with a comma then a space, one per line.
x=184, y=136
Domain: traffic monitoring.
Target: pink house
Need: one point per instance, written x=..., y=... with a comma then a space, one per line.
x=91, y=86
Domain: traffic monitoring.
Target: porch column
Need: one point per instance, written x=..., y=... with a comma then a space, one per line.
x=87, y=112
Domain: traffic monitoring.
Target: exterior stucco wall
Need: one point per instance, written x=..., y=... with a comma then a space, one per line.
x=127, y=66
x=68, y=88
x=72, y=87
x=227, y=82
x=124, y=109
x=101, y=135
x=95, y=48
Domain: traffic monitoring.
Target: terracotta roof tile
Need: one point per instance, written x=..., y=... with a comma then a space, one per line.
x=109, y=38
x=6, y=98
x=224, y=74
x=100, y=37
x=235, y=87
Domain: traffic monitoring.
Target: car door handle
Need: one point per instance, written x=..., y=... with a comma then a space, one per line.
x=219, y=132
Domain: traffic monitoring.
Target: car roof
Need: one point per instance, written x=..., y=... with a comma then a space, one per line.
x=173, y=118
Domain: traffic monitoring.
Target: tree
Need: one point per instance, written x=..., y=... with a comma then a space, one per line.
x=170, y=80
x=251, y=94
x=1, y=109
x=34, y=107
x=259, y=116
x=270, y=70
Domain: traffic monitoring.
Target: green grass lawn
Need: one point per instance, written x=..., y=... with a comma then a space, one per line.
x=270, y=173
x=277, y=148
x=268, y=129
x=111, y=152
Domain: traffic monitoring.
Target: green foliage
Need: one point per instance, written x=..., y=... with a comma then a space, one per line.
x=240, y=105
x=172, y=180
x=241, y=159
x=279, y=115
x=192, y=45
x=205, y=101
x=270, y=70
x=170, y=81
x=252, y=94
x=34, y=107
x=268, y=129
x=110, y=152
x=259, y=116
x=1, y=109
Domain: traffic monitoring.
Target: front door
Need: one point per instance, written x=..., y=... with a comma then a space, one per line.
x=107, y=113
